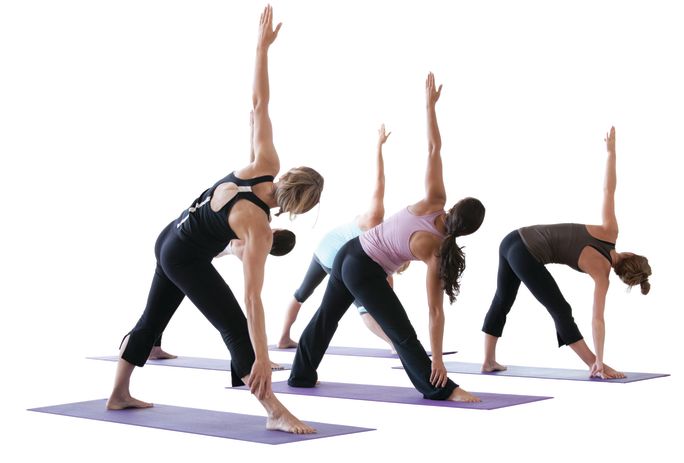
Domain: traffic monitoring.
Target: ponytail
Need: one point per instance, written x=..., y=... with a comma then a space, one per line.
x=464, y=218
x=451, y=266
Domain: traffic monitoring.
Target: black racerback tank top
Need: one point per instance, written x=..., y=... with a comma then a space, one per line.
x=209, y=229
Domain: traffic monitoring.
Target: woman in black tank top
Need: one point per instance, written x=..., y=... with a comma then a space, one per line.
x=237, y=206
x=586, y=248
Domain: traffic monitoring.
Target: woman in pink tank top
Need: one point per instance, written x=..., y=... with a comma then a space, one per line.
x=422, y=231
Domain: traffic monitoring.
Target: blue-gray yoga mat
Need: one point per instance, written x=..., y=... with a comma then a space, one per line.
x=354, y=351
x=400, y=395
x=545, y=373
x=196, y=421
x=191, y=362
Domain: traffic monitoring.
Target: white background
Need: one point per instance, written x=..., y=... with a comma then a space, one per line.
x=115, y=115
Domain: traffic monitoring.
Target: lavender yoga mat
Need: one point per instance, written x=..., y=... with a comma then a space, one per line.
x=354, y=351
x=545, y=373
x=191, y=362
x=197, y=421
x=401, y=395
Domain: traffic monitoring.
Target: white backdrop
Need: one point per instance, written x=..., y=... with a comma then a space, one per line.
x=115, y=115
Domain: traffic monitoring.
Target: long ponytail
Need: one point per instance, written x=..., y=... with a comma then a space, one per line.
x=463, y=219
x=451, y=266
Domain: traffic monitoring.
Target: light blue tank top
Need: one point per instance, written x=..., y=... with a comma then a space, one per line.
x=334, y=240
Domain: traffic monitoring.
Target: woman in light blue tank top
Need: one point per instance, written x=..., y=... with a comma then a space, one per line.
x=325, y=253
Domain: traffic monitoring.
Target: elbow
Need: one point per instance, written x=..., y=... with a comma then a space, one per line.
x=260, y=105
x=436, y=313
x=251, y=301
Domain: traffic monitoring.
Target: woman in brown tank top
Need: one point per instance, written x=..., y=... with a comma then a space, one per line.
x=523, y=254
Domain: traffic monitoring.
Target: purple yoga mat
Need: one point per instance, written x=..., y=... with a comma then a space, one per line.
x=545, y=373
x=191, y=362
x=354, y=351
x=197, y=421
x=400, y=395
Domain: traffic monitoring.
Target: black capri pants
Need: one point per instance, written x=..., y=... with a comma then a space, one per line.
x=184, y=269
x=356, y=276
x=516, y=264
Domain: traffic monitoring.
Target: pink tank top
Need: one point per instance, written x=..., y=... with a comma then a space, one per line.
x=388, y=243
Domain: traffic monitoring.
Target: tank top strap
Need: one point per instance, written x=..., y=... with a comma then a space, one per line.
x=245, y=191
x=249, y=181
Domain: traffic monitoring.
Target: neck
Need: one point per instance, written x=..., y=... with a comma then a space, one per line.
x=270, y=200
x=440, y=223
x=615, y=257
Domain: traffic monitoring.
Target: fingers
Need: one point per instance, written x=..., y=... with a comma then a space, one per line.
x=387, y=136
x=438, y=378
x=275, y=32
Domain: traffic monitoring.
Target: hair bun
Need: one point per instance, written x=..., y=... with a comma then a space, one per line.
x=645, y=287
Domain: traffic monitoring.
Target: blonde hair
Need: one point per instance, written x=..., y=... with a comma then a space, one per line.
x=403, y=267
x=634, y=270
x=298, y=190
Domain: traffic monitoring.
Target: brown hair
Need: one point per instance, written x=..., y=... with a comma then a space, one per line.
x=298, y=190
x=634, y=270
x=464, y=218
x=283, y=242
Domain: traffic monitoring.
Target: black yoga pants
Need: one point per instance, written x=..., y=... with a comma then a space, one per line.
x=183, y=269
x=357, y=276
x=516, y=264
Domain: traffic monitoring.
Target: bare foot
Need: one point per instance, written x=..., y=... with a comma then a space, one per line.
x=459, y=395
x=489, y=367
x=612, y=374
x=286, y=343
x=275, y=366
x=285, y=421
x=123, y=402
x=158, y=354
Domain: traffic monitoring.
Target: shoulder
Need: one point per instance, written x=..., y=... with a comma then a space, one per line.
x=424, y=207
x=608, y=232
x=594, y=264
x=257, y=169
x=425, y=246
x=247, y=217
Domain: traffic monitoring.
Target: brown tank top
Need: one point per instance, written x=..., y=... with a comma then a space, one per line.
x=562, y=243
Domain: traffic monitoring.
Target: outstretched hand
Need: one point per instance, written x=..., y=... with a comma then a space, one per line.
x=432, y=94
x=382, y=136
x=267, y=34
x=610, y=140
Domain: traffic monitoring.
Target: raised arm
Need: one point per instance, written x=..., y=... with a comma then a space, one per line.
x=266, y=157
x=435, y=194
x=610, y=224
x=256, y=244
x=251, y=137
x=376, y=212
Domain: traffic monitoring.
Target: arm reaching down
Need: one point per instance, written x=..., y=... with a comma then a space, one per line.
x=435, y=294
x=257, y=242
